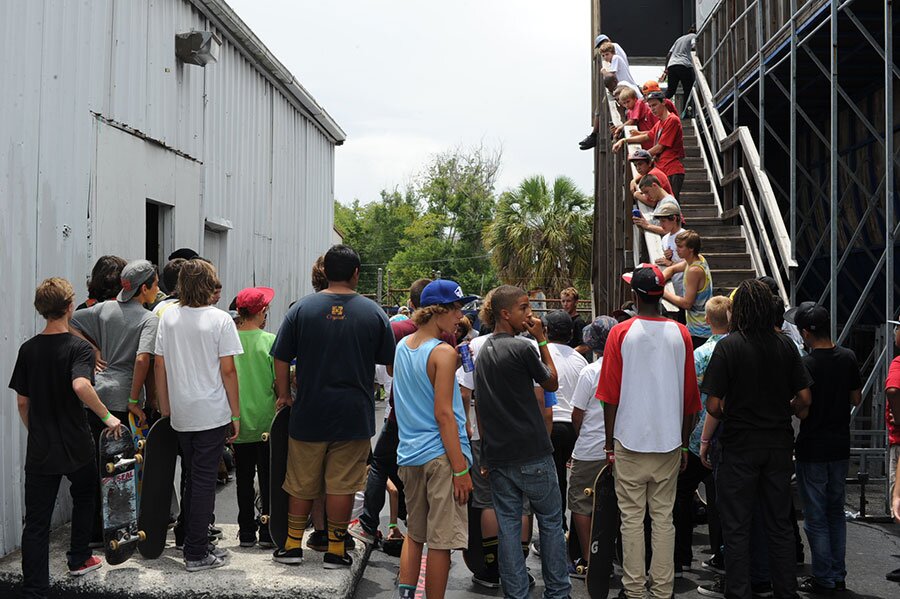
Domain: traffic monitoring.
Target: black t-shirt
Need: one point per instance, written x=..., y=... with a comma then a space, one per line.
x=513, y=430
x=578, y=324
x=59, y=438
x=337, y=340
x=825, y=432
x=756, y=379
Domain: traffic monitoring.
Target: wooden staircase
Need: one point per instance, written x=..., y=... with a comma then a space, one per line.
x=723, y=244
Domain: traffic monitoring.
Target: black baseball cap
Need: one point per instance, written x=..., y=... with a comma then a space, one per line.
x=809, y=316
x=186, y=253
x=559, y=324
x=657, y=96
x=647, y=279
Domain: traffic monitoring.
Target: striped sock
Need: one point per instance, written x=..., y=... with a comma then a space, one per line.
x=337, y=532
x=489, y=546
x=296, y=526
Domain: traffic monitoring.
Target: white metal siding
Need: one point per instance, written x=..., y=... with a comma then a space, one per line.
x=266, y=168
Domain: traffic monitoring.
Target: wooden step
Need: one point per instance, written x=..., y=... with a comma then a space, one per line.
x=714, y=230
x=724, y=245
x=726, y=260
x=731, y=277
x=695, y=184
x=689, y=196
x=699, y=210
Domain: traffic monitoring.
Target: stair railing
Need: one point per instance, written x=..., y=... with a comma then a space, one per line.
x=733, y=163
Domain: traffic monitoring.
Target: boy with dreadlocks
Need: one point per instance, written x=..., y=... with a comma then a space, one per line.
x=755, y=382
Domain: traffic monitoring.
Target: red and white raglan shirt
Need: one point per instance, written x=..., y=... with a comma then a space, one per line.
x=648, y=372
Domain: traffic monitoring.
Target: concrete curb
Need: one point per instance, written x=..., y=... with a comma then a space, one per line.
x=249, y=574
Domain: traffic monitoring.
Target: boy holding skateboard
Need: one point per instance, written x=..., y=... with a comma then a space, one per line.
x=196, y=384
x=256, y=380
x=433, y=454
x=52, y=378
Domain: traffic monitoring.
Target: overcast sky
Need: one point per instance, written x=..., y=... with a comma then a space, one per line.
x=406, y=79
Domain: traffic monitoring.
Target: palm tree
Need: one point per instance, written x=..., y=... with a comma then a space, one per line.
x=542, y=237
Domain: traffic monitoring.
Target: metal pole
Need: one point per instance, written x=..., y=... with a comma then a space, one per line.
x=793, y=150
x=888, y=173
x=387, y=286
x=379, y=287
x=761, y=85
x=832, y=258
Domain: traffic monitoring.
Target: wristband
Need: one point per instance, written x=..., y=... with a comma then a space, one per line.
x=542, y=343
x=133, y=401
x=684, y=449
x=107, y=417
x=463, y=473
x=235, y=418
x=392, y=526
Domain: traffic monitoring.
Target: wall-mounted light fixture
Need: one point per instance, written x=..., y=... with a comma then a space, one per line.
x=197, y=47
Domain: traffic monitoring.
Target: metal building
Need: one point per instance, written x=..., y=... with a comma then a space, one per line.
x=797, y=123
x=112, y=144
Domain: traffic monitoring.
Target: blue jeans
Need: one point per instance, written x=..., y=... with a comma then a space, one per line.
x=823, y=486
x=537, y=481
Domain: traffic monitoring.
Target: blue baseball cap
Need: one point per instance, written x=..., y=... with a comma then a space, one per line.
x=443, y=291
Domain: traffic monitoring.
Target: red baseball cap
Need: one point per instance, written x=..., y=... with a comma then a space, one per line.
x=647, y=279
x=254, y=299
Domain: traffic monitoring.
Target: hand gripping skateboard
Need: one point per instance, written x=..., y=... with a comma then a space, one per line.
x=160, y=451
x=139, y=435
x=278, y=497
x=604, y=530
x=118, y=495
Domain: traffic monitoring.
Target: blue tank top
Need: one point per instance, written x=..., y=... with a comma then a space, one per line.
x=420, y=437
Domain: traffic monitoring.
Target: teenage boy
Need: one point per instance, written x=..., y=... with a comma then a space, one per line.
x=648, y=415
x=197, y=385
x=256, y=381
x=337, y=337
x=568, y=300
x=822, y=447
x=517, y=449
x=433, y=453
x=718, y=315
x=755, y=382
x=643, y=164
x=655, y=194
x=668, y=141
x=53, y=380
x=124, y=334
x=588, y=457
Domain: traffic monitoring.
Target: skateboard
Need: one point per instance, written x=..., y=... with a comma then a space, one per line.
x=604, y=530
x=278, y=497
x=118, y=496
x=139, y=435
x=474, y=554
x=160, y=452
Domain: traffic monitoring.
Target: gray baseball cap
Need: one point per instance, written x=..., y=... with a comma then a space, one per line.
x=135, y=274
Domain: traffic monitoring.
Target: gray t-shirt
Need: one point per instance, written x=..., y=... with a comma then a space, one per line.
x=681, y=51
x=122, y=331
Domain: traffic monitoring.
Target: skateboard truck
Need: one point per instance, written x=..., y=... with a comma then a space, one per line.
x=111, y=467
x=127, y=539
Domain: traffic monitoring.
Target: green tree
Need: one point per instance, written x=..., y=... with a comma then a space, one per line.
x=542, y=236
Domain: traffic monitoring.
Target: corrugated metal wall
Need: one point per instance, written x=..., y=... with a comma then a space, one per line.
x=266, y=168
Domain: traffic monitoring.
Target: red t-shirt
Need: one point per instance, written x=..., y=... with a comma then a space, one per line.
x=669, y=134
x=643, y=118
x=663, y=179
x=893, y=380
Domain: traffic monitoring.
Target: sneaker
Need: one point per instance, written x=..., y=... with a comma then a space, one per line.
x=215, y=532
x=588, y=142
x=318, y=541
x=578, y=569
x=715, y=564
x=247, y=540
x=714, y=589
x=89, y=565
x=536, y=547
x=336, y=562
x=265, y=541
x=357, y=531
x=893, y=575
x=288, y=556
x=762, y=589
x=679, y=571
x=840, y=586
x=219, y=552
x=207, y=563
x=814, y=587
x=488, y=578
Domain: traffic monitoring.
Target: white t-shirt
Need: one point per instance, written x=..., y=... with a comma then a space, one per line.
x=387, y=381
x=668, y=243
x=648, y=371
x=591, y=439
x=192, y=340
x=620, y=67
x=569, y=364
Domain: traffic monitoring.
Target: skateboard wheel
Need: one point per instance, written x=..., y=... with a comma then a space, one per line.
x=141, y=535
x=589, y=491
x=264, y=436
x=264, y=519
x=140, y=444
x=114, y=545
x=110, y=468
x=138, y=458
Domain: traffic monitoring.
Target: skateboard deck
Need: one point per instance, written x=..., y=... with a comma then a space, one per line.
x=139, y=435
x=604, y=530
x=118, y=496
x=278, y=498
x=160, y=452
x=474, y=554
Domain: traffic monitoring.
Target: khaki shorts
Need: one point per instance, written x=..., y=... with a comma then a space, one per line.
x=340, y=465
x=581, y=477
x=434, y=517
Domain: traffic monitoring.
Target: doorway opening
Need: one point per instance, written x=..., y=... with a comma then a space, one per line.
x=158, y=224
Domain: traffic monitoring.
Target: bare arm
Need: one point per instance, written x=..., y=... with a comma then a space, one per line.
x=577, y=419
x=634, y=139
x=693, y=278
x=467, y=401
x=609, y=417
x=283, y=383
x=88, y=396
x=801, y=402
x=856, y=397
x=709, y=428
x=443, y=362
x=536, y=328
x=138, y=378
x=162, y=386
x=893, y=397
x=230, y=380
